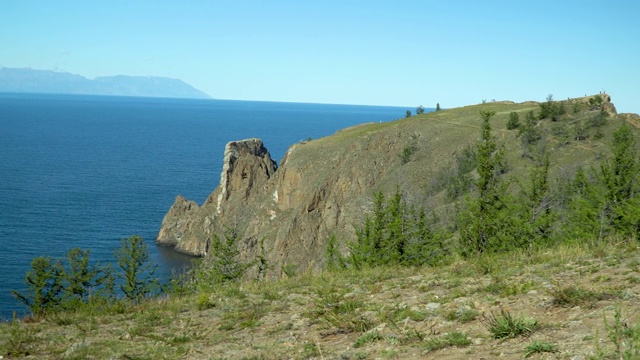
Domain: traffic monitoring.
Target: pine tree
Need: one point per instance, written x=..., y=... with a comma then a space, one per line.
x=396, y=234
x=619, y=176
x=483, y=220
x=137, y=269
x=514, y=121
x=606, y=201
x=84, y=279
x=225, y=263
x=45, y=284
x=534, y=212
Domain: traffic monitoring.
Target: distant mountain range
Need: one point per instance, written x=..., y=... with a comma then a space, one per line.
x=55, y=82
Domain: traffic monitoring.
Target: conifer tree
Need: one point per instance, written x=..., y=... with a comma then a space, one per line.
x=45, y=285
x=396, y=234
x=607, y=201
x=534, y=213
x=84, y=279
x=483, y=220
x=224, y=256
x=137, y=269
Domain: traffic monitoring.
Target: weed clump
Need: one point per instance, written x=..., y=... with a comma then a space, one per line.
x=576, y=296
x=505, y=325
x=538, y=347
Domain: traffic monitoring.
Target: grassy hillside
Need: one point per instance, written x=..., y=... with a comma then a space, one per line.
x=567, y=299
x=570, y=297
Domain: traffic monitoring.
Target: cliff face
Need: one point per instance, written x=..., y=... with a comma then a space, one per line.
x=246, y=169
x=324, y=187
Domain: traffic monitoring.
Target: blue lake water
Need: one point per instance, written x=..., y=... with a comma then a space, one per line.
x=87, y=171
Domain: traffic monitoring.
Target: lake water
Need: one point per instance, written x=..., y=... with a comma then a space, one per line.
x=87, y=171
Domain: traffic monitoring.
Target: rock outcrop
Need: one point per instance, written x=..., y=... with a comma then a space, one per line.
x=246, y=169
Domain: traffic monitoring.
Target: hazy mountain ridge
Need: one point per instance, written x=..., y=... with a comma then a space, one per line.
x=44, y=81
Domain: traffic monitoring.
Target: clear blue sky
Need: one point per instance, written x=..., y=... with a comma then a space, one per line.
x=404, y=53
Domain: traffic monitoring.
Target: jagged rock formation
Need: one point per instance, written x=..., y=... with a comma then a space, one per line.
x=247, y=167
x=324, y=187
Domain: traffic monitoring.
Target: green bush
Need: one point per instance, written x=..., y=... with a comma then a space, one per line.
x=514, y=121
x=624, y=337
x=366, y=338
x=596, y=102
x=551, y=109
x=605, y=199
x=407, y=153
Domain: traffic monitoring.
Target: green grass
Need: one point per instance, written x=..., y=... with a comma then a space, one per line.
x=462, y=315
x=576, y=296
x=454, y=338
x=624, y=337
x=539, y=347
x=369, y=337
x=505, y=325
x=277, y=318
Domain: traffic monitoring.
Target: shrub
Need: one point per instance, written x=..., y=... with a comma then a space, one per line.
x=514, y=121
x=575, y=296
x=454, y=338
x=334, y=258
x=600, y=119
x=406, y=154
x=625, y=338
x=369, y=337
x=596, y=102
x=605, y=200
x=551, y=109
x=462, y=315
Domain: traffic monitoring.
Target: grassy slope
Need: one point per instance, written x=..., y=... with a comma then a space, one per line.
x=383, y=313
x=395, y=313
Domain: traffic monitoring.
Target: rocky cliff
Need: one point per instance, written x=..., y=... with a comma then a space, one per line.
x=321, y=187
x=188, y=227
x=324, y=187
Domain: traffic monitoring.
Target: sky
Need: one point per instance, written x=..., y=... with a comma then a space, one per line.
x=395, y=53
